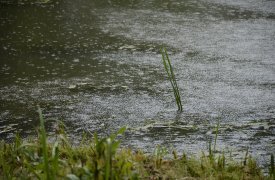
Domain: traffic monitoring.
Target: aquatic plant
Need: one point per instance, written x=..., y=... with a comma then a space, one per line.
x=171, y=76
x=216, y=135
x=210, y=151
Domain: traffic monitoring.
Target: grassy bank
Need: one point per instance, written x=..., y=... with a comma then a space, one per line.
x=102, y=158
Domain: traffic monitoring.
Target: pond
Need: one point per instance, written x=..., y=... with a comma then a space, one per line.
x=96, y=65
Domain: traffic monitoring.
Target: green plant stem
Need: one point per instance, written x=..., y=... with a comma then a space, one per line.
x=216, y=135
x=43, y=142
x=171, y=76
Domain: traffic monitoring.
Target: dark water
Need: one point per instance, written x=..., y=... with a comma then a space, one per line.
x=95, y=64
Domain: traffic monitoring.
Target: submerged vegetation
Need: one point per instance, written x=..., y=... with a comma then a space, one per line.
x=171, y=76
x=56, y=157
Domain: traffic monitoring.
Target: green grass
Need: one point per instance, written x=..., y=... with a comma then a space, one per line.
x=43, y=142
x=171, y=76
x=102, y=158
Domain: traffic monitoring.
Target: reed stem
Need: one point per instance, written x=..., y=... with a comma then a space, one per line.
x=171, y=76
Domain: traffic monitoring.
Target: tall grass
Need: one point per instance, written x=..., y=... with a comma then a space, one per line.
x=101, y=158
x=43, y=142
x=216, y=135
x=171, y=76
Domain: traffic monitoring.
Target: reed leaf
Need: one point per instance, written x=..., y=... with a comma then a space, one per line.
x=43, y=142
x=171, y=76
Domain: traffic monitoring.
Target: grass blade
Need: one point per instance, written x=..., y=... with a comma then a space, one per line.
x=43, y=142
x=171, y=76
x=216, y=135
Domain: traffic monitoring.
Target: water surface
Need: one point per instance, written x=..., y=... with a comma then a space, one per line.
x=96, y=65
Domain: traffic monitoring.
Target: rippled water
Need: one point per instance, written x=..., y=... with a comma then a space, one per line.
x=95, y=64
